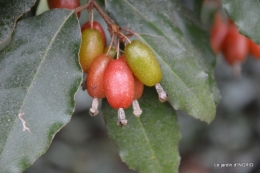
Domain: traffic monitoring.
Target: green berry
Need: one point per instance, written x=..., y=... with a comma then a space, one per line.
x=143, y=63
x=91, y=46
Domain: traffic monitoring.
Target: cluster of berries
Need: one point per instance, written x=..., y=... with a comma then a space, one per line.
x=120, y=80
x=234, y=46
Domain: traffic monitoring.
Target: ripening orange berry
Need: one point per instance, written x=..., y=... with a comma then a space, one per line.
x=254, y=49
x=218, y=33
x=235, y=46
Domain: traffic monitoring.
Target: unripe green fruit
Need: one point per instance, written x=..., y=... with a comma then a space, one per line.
x=91, y=46
x=143, y=63
x=97, y=26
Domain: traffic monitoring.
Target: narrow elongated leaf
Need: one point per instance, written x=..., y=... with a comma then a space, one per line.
x=246, y=16
x=181, y=48
x=11, y=10
x=39, y=74
x=148, y=144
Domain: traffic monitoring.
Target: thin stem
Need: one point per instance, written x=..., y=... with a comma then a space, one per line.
x=107, y=19
x=83, y=6
x=110, y=46
x=127, y=30
x=91, y=19
x=117, y=49
x=120, y=33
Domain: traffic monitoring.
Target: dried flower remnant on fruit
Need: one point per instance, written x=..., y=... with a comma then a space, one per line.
x=93, y=111
x=163, y=96
x=136, y=108
x=121, y=117
x=138, y=87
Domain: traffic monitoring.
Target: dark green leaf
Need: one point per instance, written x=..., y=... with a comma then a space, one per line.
x=148, y=144
x=11, y=10
x=195, y=6
x=198, y=4
x=39, y=74
x=246, y=16
x=182, y=48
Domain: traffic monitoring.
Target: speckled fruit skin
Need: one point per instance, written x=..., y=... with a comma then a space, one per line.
x=143, y=63
x=69, y=4
x=95, y=77
x=139, y=88
x=235, y=46
x=91, y=46
x=254, y=49
x=218, y=33
x=138, y=85
x=119, y=84
x=97, y=26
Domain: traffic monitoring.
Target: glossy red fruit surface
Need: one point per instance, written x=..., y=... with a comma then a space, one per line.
x=254, y=49
x=138, y=85
x=218, y=32
x=139, y=88
x=235, y=46
x=69, y=4
x=119, y=84
x=95, y=77
x=97, y=26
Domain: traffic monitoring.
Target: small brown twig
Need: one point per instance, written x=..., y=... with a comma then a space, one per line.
x=114, y=30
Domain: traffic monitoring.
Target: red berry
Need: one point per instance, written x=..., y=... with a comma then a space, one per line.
x=95, y=77
x=119, y=84
x=235, y=46
x=218, y=33
x=69, y=4
x=138, y=85
x=98, y=27
x=139, y=88
x=254, y=49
